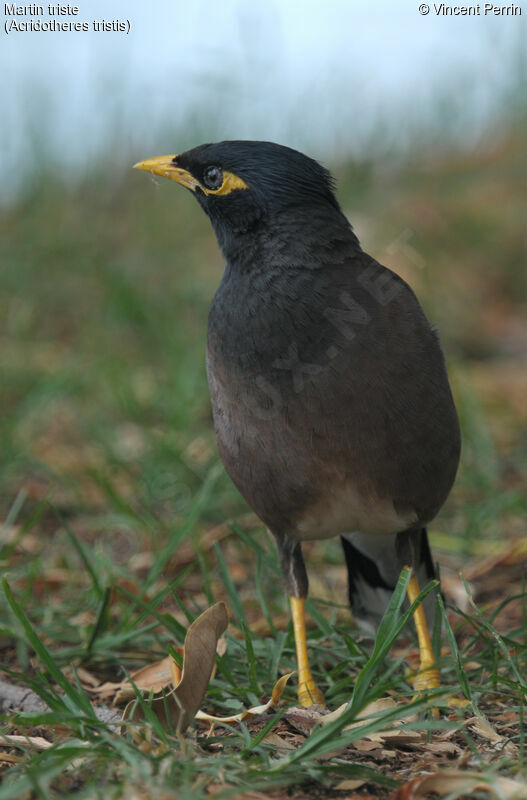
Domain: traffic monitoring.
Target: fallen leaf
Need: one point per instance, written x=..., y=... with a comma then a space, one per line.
x=484, y=729
x=446, y=782
x=442, y=748
x=398, y=734
x=10, y=758
x=305, y=719
x=255, y=711
x=365, y=745
x=349, y=784
x=152, y=678
x=377, y=707
x=278, y=742
x=86, y=678
x=182, y=703
x=36, y=742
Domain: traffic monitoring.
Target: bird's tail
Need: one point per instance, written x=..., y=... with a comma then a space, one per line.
x=374, y=564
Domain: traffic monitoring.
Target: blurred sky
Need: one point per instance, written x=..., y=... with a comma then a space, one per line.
x=333, y=77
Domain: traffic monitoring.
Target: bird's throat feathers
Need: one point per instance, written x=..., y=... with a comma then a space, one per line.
x=292, y=238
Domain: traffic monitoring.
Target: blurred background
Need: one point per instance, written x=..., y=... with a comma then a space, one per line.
x=106, y=276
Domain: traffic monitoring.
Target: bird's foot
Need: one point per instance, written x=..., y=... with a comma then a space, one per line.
x=425, y=679
x=456, y=702
x=428, y=679
x=309, y=693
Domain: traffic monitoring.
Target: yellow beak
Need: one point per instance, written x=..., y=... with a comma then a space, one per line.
x=164, y=166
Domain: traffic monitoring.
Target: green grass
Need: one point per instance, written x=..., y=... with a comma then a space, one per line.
x=110, y=484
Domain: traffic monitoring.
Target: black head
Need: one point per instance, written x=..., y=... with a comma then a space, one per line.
x=241, y=184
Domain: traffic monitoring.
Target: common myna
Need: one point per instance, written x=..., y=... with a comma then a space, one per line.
x=330, y=397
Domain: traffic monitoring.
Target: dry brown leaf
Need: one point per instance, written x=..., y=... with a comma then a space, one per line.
x=349, y=784
x=105, y=690
x=377, y=707
x=36, y=742
x=442, y=748
x=86, y=678
x=448, y=782
x=305, y=719
x=326, y=718
x=365, y=745
x=398, y=734
x=445, y=735
x=484, y=729
x=255, y=711
x=152, y=678
x=278, y=742
x=304, y=725
x=10, y=758
x=182, y=703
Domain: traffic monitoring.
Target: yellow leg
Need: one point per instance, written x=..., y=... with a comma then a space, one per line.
x=428, y=675
x=308, y=691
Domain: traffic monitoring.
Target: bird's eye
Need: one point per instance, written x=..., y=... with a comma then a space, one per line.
x=213, y=177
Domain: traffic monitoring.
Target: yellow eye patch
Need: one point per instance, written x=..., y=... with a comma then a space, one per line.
x=230, y=183
x=166, y=168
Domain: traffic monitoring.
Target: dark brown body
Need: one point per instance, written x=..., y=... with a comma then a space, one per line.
x=331, y=402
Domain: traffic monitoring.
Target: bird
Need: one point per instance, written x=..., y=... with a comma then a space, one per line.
x=330, y=397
